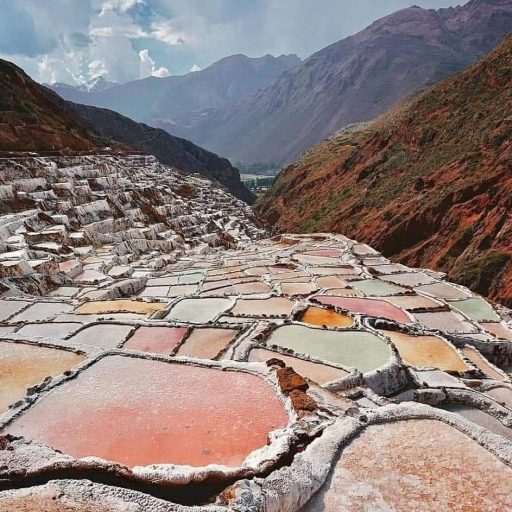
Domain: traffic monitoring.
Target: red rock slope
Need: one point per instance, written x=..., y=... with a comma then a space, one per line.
x=429, y=184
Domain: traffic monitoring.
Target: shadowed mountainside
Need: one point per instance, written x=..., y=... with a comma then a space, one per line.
x=170, y=150
x=429, y=183
x=33, y=118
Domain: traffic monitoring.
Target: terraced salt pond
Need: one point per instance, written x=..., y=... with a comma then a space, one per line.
x=320, y=373
x=57, y=330
x=102, y=335
x=422, y=465
x=41, y=311
x=371, y=307
x=124, y=399
x=480, y=362
x=325, y=317
x=355, y=349
x=377, y=288
x=23, y=365
x=120, y=306
x=159, y=340
x=198, y=311
x=476, y=309
x=426, y=351
x=480, y=418
x=280, y=306
x=207, y=343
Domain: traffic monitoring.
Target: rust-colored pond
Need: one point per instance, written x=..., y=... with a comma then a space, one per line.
x=23, y=366
x=138, y=411
x=321, y=317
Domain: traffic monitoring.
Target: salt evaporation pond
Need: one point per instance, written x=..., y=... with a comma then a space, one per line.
x=23, y=366
x=422, y=465
x=198, y=311
x=138, y=411
x=325, y=317
x=426, y=351
x=480, y=362
x=355, y=349
x=320, y=373
x=280, y=306
x=207, y=343
x=159, y=340
x=480, y=418
x=377, y=288
x=370, y=307
x=102, y=335
x=120, y=306
x=476, y=309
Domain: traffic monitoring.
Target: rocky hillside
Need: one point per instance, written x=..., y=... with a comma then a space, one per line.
x=161, y=99
x=353, y=80
x=430, y=183
x=32, y=118
x=170, y=150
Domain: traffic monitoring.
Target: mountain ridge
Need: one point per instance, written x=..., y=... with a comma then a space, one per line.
x=226, y=80
x=349, y=81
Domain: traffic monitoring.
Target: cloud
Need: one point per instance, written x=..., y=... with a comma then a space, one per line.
x=165, y=32
x=119, y=5
x=19, y=34
x=76, y=40
x=148, y=66
x=97, y=68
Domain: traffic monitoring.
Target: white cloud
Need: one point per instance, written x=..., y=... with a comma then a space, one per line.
x=165, y=32
x=195, y=68
x=119, y=5
x=148, y=66
x=97, y=68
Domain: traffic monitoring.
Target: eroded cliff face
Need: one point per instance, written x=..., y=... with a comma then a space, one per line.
x=429, y=183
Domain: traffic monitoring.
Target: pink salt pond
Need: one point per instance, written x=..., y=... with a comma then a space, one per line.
x=371, y=307
x=138, y=411
x=159, y=340
x=207, y=343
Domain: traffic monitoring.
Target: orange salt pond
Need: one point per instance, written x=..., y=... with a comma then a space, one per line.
x=120, y=306
x=207, y=343
x=321, y=317
x=372, y=307
x=137, y=411
x=23, y=366
x=159, y=340
x=318, y=372
x=426, y=351
x=422, y=465
x=480, y=362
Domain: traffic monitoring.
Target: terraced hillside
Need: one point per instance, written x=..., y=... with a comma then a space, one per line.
x=429, y=183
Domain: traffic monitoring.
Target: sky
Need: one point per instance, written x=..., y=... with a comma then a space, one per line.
x=75, y=41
